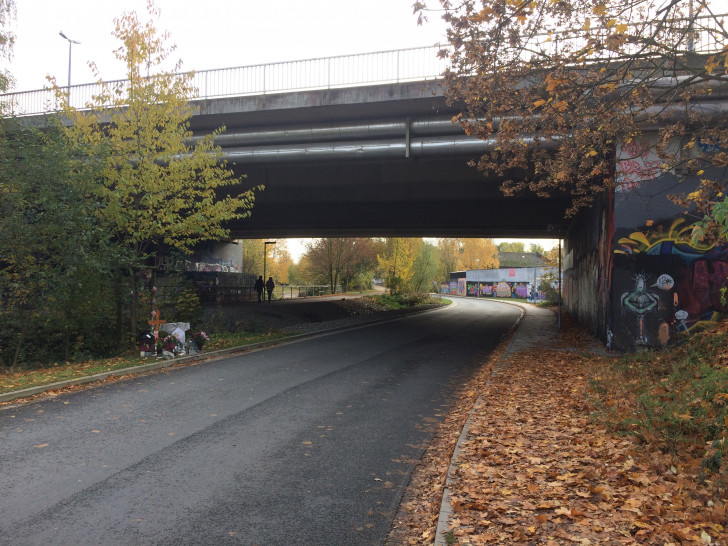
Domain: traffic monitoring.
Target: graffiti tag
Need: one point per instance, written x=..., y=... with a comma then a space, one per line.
x=664, y=282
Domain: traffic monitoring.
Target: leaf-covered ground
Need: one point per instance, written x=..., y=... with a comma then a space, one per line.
x=537, y=469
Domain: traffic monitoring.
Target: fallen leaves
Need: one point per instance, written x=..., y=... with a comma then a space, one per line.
x=535, y=469
x=551, y=475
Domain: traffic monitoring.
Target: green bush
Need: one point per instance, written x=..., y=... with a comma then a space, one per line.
x=679, y=398
x=404, y=301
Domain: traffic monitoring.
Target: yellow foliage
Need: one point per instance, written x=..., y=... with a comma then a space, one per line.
x=397, y=263
x=155, y=187
x=478, y=254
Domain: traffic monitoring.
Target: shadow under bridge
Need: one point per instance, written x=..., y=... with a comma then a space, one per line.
x=381, y=160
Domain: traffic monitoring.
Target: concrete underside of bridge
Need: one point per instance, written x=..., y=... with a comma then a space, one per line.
x=372, y=161
x=390, y=198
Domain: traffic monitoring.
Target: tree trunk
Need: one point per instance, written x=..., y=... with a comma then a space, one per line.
x=133, y=309
x=119, y=311
x=21, y=339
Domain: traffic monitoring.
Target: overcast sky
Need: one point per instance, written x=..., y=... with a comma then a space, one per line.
x=210, y=33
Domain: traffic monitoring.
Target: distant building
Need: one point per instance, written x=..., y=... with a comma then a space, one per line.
x=520, y=276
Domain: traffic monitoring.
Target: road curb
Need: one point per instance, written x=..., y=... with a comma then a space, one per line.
x=196, y=358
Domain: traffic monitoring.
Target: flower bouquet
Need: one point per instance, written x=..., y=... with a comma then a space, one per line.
x=146, y=344
x=168, y=344
x=199, y=339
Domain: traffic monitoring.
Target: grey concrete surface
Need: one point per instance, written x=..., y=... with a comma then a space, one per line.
x=311, y=442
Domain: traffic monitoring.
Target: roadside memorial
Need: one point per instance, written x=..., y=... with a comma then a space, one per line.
x=197, y=341
x=173, y=344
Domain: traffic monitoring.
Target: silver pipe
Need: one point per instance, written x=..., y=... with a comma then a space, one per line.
x=329, y=132
x=442, y=126
x=378, y=149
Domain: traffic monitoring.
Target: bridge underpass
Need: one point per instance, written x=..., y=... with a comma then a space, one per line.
x=384, y=160
x=368, y=161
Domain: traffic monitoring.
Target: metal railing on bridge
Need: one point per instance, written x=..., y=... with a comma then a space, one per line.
x=393, y=66
x=708, y=35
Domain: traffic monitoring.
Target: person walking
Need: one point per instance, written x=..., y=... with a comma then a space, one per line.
x=259, y=288
x=269, y=286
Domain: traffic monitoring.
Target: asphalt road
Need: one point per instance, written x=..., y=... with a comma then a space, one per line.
x=312, y=442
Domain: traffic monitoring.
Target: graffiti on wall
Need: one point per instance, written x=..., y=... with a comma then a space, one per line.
x=521, y=290
x=676, y=285
x=640, y=301
x=502, y=289
x=636, y=162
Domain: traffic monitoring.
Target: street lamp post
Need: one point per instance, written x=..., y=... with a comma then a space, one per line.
x=265, y=255
x=70, y=46
x=477, y=279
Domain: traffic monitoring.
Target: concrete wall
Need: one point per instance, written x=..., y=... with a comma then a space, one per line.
x=587, y=268
x=665, y=286
x=632, y=273
x=513, y=282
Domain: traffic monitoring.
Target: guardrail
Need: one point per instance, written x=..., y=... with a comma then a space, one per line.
x=392, y=66
x=240, y=294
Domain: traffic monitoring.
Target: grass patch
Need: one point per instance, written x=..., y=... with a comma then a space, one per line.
x=405, y=301
x=53, y=373
x=227, y=340
x=675, y=400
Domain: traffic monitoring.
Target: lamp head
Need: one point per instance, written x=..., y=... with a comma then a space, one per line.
x=67, y=38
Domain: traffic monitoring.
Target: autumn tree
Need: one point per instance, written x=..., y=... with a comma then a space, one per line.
x=450, y=250
x=294, y=273
x=280, y=259
x=334, y=260
x=396, y=263
x=512, y=246
x=556, y=87
x=156, y=188
x=536, y=248
x=7, y=41
x=550, y=279
x=426, y=267
x=253, y=256
x=54, y=252
x=479, y=254
x=277, y=258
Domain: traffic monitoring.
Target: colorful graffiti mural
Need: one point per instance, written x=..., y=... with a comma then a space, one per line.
x=490, y=289
x=521, y=290
x=637, y=161
x=676, y=285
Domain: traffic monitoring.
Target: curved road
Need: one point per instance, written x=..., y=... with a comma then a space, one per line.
x=311, y=442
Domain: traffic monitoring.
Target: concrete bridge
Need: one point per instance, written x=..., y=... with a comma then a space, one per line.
x=386, y=160
x=378, y=156
x=349, y=145
x=379, y=160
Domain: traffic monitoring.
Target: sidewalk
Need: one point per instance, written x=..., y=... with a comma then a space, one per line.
x=532, y=467
x=537, y=328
